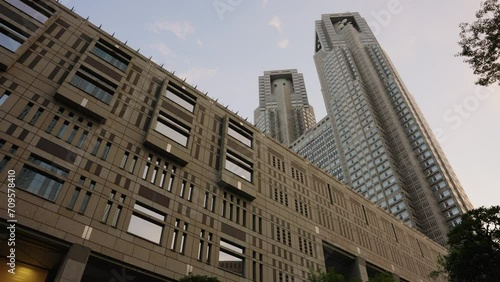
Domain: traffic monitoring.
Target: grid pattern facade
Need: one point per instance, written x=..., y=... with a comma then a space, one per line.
x=387, y=151
x=284, y=112
x=124, y=171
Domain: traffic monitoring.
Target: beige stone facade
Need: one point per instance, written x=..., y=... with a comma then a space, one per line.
x=124, y=172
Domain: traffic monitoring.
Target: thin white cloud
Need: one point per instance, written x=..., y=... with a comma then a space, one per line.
x=264, y=3
x=199, y=42
x=181, y=29
x=197, y=74
x=283, y=43
x=162, y=49
x=276, y=23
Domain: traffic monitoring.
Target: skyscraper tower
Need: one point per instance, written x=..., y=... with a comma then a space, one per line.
x=386, y=150
x=284, y=112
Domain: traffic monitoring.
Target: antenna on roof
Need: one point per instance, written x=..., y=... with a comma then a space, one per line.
x=195, y=86
x=72, y=8
x=184, y=79
x=126, y=42
x=113, y=35
x=161, y=65
x=87, y=18
x=138, y=50
x=173, y=72
x=100, y=26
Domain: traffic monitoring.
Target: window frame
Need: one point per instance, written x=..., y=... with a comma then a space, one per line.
x=172, y=125
x=239, y=162
x=147, y=215
x=185, y=100
x=239, y=133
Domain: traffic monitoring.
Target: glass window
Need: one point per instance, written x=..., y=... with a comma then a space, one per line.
x=231, y=257
x=92, y=84
x=144, y=226
x=31, y=9
x=183, y=100
x=11, y=38
x=39, y=184
x=48, y=165
x=172, y=129
x=4, y=97
x=105, y=51
x=238, y=166
x=239, y=133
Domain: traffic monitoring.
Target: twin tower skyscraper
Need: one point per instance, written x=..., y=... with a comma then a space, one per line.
x=374, y=137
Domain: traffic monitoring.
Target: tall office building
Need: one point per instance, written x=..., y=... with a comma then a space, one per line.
x=117, y=170
x=284, y=112
x=386, y=150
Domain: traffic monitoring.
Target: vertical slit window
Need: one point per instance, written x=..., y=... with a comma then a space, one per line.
x=124, y=160
x=74, y=197
x=106, y=151
x=62, y=129
x=25, y=111
x=183, y=188
x=132, y=164
x=82, y=139
x=146, y=170
x=96, y=146
x=190, y=192
x=72, y=135
x=5, y=95
x=37, y=115
x=171, y=183
x=154, y=174
x=85, y=202
x=106, y=211
x=4, y=162
x=117, y=216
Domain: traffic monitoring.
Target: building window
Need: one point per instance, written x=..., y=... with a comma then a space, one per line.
x=239, y=166
x=231, y=257
x=37, y=115
x=11, y=38
x=172, y=129
x=146, y=223
x=94, y=85
x=240, y=133
x=48, y=165
x=25, y=111
x=74, y=197
x=36, y=10
x=5, y=95
x=40, y=184
x=108, y=53
x=184, y=100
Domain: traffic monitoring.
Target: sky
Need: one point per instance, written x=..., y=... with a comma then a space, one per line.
x=222, y=46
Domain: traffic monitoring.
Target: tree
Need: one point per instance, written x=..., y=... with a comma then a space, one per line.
x=321, y=276
x=198, y=278
x=382, y=277
x=480, y=43
x=474, y=248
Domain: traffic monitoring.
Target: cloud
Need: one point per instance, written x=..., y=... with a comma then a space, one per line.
x=199, y=42
x=181, y=29
x=283, y=43
x=276, y=22
x=197, y=74
x=264, y=3
x=162, y=49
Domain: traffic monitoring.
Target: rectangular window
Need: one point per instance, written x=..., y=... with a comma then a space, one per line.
x=144, y=224
x=190, y=192
x=4, y=162
x=74, y=197
x=132, y=164
x=124, y=160
x=39, y=183
x=72, y=135
x=240, y=133
x=171, y=183
x=93, y=84
x=106, y=211
x=11, y=37
x=5, y=95
x=52, y=124
x=82, y=139
x=60, y=134
x=183, y=188
x=106, y=151
x=85, y=203
x=32, y=9
x=25, y=111
x=96, y=146
x=231, y=257
x=239, y=166
x=182, y=99
x=172, y=129
x=111, y=54
x=48, y=165
x=117, y=216
x=37, y=115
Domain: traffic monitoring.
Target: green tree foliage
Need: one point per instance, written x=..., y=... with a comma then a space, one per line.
x=382, y=277
x=330, y=276
x=480, y=43
x=198, y=278
x=474, y=248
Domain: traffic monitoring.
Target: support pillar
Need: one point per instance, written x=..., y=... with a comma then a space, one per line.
x=358, y=270
x=74, y=264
